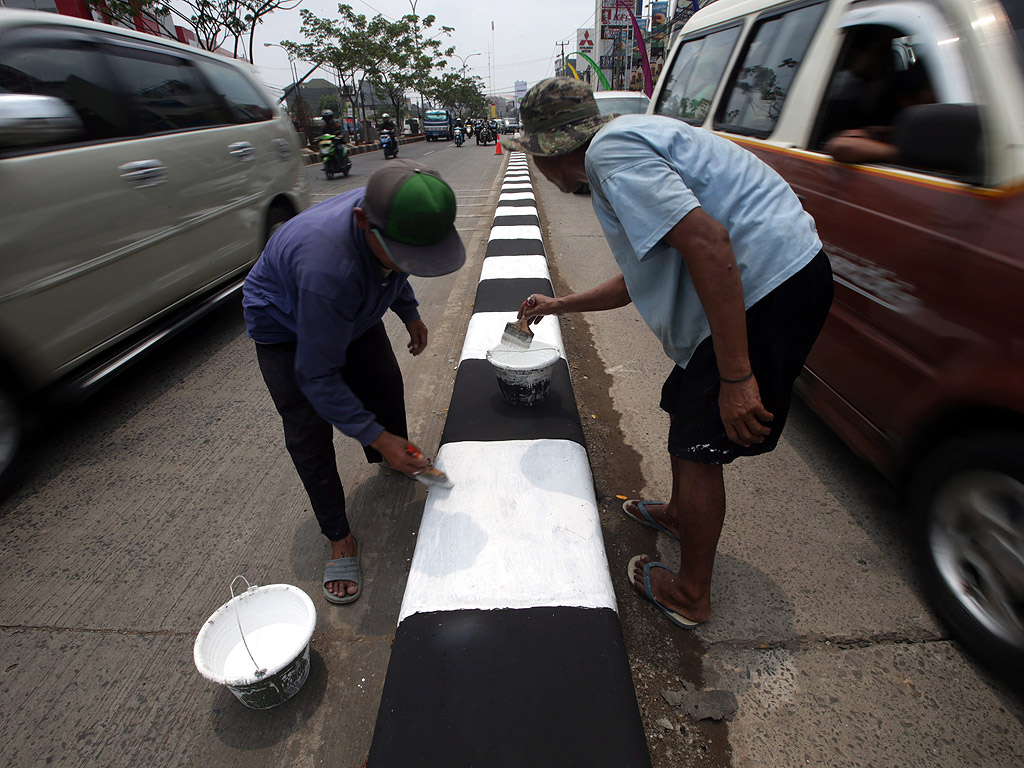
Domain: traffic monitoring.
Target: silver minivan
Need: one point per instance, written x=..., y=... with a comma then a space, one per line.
x=139, y=181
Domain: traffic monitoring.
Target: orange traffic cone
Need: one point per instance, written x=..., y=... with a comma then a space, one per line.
x=497, y=145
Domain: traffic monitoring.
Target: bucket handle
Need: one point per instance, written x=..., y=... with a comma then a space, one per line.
x=250, y=588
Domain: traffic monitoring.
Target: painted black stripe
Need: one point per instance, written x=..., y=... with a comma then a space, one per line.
x=515, y=247
x=527, y=219
x=529, y=687
x=507, y=294
x=477, y=411
x=525, y=202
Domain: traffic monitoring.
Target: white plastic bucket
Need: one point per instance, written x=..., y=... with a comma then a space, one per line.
x=257, y=644
x=524, y=375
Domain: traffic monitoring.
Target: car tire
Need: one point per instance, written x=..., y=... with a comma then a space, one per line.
x=967, y=498
x=13, y=434
x=276, y=216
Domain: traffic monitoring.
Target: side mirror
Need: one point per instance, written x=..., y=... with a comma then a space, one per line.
x=941, y=137
x=27, y=120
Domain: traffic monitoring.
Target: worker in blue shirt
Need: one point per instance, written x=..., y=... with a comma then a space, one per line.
x=314, y=304
x=720, y=259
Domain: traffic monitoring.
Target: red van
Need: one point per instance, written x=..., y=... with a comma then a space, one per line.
x=920, y=367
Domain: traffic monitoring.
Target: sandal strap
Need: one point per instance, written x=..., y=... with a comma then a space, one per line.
x=342, y=569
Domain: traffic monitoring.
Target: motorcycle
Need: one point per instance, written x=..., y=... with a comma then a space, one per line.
x=458, y=136
x=483, y=135
x=388, y=144
x=334, y=155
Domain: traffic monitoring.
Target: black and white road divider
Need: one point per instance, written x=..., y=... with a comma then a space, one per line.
x=509, y=650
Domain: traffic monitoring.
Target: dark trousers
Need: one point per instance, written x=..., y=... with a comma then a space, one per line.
x=372, y=373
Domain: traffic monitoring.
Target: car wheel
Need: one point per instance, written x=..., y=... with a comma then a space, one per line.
x=13, y=433
x=277, y=216
x=968, y=503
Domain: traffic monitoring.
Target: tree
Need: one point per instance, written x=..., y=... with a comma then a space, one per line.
x=392, y=56
x=463, y=95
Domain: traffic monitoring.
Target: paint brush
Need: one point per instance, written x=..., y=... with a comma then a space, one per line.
x=518, y=334
x=431, y=476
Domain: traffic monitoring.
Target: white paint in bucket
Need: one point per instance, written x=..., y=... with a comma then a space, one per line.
x=278, y=621
x=524, y=375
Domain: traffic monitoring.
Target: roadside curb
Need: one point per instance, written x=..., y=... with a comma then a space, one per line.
x=509, y=648
x=312, y=158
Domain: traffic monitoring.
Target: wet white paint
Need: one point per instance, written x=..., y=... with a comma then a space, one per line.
x=515, y=210
x=508, y=197
x=278, y=621
x=511, y=267
x=536, y=357
x=513, y=185
x=486, y=328
x=520, y=529
x=515, y=232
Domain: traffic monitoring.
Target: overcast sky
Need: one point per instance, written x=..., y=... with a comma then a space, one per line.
x=523, y=46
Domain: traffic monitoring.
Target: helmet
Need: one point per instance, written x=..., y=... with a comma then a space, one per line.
x=327, y=114
x=385, y=116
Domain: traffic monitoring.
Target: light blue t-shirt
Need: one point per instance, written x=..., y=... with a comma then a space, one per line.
x=646, y=173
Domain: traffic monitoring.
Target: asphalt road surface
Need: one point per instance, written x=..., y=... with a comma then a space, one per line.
x=148, y=499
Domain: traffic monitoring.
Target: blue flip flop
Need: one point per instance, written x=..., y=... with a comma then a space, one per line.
x=676, y=618
x=647, y=520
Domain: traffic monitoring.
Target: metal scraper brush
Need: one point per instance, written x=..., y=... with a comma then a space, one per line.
x=518, y=334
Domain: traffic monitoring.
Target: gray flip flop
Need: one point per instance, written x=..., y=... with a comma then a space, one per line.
x=647, y=520
x=343, y=569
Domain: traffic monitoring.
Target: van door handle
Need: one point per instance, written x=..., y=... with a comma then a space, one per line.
x=143, y=173
x=241, y=150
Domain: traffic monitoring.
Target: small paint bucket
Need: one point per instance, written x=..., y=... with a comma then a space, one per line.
x=257, y=644
x=524, y=375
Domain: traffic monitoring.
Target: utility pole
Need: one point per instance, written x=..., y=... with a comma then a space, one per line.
x=561, y=71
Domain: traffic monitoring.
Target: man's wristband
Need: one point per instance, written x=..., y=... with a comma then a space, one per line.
x=737, y=381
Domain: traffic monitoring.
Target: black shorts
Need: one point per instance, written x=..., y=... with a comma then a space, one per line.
x=781, y=329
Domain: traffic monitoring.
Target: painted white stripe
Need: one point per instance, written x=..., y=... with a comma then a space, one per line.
x=515, y=232
x=520, y=529
x=527, y=184
x=514, y=210
x=485, y=330
x=508, y=267
x=510, y=196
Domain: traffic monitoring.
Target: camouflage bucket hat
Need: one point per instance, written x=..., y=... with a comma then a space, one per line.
x=558, y=115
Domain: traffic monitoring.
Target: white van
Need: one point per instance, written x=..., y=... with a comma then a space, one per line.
x=139, y=181
x=920, y=366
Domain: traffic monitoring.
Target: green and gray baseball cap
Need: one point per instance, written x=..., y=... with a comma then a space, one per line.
x=412, y=209
x=557, y=115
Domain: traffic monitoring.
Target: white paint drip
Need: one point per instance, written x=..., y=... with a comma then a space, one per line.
x=486, y=328
x=515, y=232
x=520, y=529
x=511, y=267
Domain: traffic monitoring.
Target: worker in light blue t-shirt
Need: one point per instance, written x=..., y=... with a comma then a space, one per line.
x=726, y=268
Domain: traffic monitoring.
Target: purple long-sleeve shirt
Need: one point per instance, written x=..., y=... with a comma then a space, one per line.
x=318, y=284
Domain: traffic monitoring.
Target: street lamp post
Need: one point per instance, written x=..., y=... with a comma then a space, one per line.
x=291, y=59
x=464, y=60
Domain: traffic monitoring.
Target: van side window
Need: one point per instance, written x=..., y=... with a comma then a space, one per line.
x=244, y=104
x=168, y=93
x=691, y=84
x=72, y=71
x=757, y=91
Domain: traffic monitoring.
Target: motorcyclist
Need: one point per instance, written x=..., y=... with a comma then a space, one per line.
x=386, y=123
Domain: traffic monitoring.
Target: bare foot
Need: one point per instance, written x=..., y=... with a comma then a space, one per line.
x=344, y=548
x=667, y=590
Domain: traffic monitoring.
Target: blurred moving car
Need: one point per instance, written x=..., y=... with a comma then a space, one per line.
x=920, y=367
x=621, y=102
x=139, y=181
x=508, y=125
x=617, y=103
